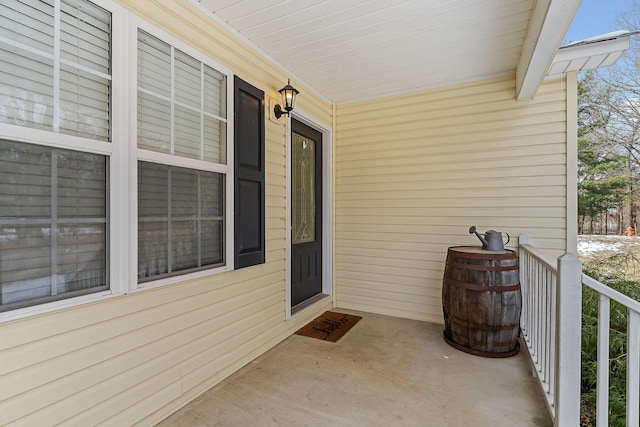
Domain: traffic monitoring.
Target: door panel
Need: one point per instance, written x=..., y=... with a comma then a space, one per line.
x=306, y=212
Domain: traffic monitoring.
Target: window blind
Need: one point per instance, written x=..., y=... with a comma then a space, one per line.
x=180, y=220
x=79, y=103
x=53, y=223
x=181, y=103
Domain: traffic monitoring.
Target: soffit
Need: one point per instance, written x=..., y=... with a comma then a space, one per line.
x=350, y=50
x=589, y=54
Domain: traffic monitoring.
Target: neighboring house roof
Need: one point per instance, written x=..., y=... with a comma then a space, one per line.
x=591, y=53
x=349, y=50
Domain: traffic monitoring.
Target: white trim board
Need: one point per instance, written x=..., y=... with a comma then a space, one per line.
x=327, y=204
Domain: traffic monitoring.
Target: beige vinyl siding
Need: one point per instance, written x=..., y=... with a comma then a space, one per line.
x=413, y=172
x=136, y=358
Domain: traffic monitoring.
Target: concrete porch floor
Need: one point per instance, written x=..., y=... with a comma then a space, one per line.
x=386, y=371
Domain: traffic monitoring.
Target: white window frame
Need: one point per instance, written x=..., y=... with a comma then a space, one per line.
x=173, y=160
x=108, y=149
x=123, y=157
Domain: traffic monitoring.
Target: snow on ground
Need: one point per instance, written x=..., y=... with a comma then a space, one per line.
x=590, y=245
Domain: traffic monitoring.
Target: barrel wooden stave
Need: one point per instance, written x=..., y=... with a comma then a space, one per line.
x=482, y=301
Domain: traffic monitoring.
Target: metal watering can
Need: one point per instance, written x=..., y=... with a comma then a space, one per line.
x=492, y=240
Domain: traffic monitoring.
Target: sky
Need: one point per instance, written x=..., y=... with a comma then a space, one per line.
x=595, y=17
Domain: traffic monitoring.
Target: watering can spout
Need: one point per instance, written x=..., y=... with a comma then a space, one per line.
x=491, y=240
x=472, y=230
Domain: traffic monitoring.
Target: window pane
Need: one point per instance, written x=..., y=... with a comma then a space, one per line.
x=154, y=65
x=154, y=123
x=184, y=192
x=188, y=84
x=215, y=92
x=82, y=256
x=85, y=33
x=26, y=89
x=152, y=249
x=84, y=104
x=53, y=232
x=81, y=185
x=188, y=125
x=212, y=247
x=180, y=220
x=25, y=181
x=184, y=245
x=25, y=254
x=212, y=190
x=153, y=191
x=215, y=137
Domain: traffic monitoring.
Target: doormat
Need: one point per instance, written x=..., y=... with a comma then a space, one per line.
x=330, y=326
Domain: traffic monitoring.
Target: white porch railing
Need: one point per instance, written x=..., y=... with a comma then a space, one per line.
x=551, y=323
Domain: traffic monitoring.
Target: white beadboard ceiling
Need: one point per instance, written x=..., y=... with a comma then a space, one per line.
x=350, y=50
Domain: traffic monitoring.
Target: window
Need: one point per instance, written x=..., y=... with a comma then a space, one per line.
x=55, y=78
x=182, y=139
x=93, y=198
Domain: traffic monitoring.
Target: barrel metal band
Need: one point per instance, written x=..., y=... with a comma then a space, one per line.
x=484, y=267
x=481, y=288
x=466, y=323
x=482, y=353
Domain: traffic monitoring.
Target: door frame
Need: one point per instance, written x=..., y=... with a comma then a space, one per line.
x=327, y=203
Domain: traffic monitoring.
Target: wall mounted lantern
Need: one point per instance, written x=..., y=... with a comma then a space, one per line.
x=288, y=94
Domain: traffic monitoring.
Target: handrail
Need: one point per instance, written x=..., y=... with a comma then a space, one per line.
x=605, y=295
x=547, y=260
x=611, y=293
x=551, y=317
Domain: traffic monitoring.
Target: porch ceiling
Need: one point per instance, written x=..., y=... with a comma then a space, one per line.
x=350, y=50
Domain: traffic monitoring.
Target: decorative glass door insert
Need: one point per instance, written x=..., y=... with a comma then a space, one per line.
x=303, y=189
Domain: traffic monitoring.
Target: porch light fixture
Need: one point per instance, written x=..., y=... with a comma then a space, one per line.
x=288, y=94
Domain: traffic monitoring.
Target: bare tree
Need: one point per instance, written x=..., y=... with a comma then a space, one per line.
x=621, y=82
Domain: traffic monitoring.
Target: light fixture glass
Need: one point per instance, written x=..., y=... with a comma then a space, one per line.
x=288, y=94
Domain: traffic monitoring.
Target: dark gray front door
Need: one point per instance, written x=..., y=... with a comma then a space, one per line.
x=306, y=215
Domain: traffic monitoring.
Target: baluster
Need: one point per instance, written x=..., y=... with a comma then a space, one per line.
x=633, y=368
x=602, y=382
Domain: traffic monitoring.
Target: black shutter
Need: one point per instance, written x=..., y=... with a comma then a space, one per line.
x=249, y=174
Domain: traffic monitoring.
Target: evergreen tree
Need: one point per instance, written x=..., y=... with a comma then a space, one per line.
x=602, y=182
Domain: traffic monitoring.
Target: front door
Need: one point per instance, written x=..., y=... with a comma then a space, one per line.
x=306, y=215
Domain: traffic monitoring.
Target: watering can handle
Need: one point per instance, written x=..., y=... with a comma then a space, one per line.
x=508, y=238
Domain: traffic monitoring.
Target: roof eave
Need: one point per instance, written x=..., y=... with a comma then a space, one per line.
x=549, y=22
x=595, y=52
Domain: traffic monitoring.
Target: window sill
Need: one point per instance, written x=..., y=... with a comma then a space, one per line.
x=51, y=307
x=41, y=309
x=182, y=278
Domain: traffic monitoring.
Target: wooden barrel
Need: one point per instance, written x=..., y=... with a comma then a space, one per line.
x=482, y=301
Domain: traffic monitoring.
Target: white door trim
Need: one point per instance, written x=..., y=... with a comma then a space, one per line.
x=327, y=203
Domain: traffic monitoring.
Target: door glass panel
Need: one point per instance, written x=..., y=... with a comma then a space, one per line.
x=303, y=194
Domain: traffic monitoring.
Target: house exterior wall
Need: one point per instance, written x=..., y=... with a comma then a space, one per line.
x=413, y=172
x=136, y=358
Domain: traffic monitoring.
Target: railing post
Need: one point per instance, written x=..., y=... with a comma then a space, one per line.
x=568, y=341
